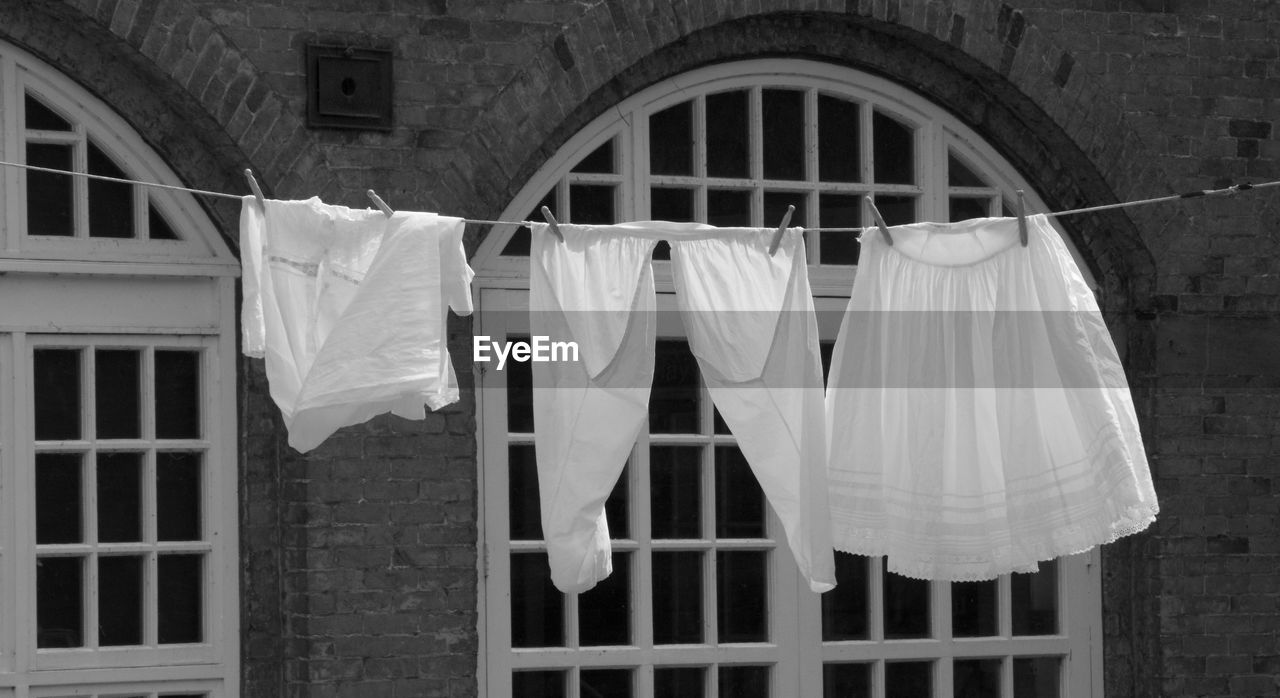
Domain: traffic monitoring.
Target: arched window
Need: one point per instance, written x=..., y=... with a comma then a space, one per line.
x=117, y=389
x=705, y=600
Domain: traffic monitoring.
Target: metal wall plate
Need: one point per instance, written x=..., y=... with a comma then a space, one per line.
x=348, y=87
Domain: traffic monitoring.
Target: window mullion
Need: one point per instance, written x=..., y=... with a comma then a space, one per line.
x=80, y=185
x=813, y=243
x=755, y=140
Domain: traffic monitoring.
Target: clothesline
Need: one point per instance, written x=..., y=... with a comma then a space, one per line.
x=1225, y=191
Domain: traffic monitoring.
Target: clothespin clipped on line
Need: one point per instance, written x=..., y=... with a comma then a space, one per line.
x=257, y=190
x=555, y=226
x=1022, y=219
x=884, y=228
x=377, y=201
x=782, y=228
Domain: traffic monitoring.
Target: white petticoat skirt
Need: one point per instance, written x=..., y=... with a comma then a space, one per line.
x=978, y=415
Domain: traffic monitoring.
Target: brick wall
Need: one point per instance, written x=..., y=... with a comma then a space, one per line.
x=360, y=557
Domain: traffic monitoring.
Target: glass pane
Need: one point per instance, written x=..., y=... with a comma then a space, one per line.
x=744, y=682
x=58, y=500
x=538, y=684
x=42, y=118
x=727, y=135
x=718, y=424
x=840, y=211
x=49, y=196
x=120, y=600
x=908, y=679
x=119, y=497
x=963, y=208
x=783, y=125
x=775, y=207
x=1035, y=601
x=897, y=210
x=671, y=140
x=59, y=602
x=178, y=510
x=976, y=678
x=537, y=607
x=604, y=612
x=518, y=244
x=180, y=591
x=846, y=681
x=741, y=594
x=158, y=226
x=959, y=174
x=677, y=597
x=740, y=503
x=670, y=204
x=616, y=510
x=1036, y=677
x=727, y=207
x=673, y=401
x=839, y=150
x=895, y=159
x=973, y=609
x=519, y=392
x=675, y=491
x=844, y=609
x=605, y=683
x=118, y=393
x=906, y=607
x=177, y=394
x=679, y=682
x=57, y=394
x=110, y=203
x=522, y=493
x=592, y=203
x=599, y=161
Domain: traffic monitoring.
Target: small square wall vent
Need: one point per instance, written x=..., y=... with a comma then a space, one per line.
x=348, y=87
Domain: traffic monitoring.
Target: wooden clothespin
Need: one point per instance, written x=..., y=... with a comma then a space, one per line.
x=884, y=228
x=555, y=227
x=257, y=190
x=1022, y=219
x=782, y=228
x=377, y=201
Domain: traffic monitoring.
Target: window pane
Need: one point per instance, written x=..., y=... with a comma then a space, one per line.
x=959, y=174
x=744, y=682
x=519, y=392
x=895, y=159
x=741, y=593
x=616, y=509
x=675, y=491
x=110, y=203
x=727, y=135
x=740, y=503
x=58, y=497
x=158, y=226
x=177, y=394
x=518, y=244
x=844, y=609
x=677, y=597
x=976, y=678
x=49, y=196
x=839, y=152
x=906, y=607
x=592, y=203
x=846, y=681
x=537, y=607
x=670, y=204
x=538, y=684
x=120, y=600
x=964, y=208
x=1036, y=677
x=59, y=602
x=775, y=207
x=973, y=609
x=57, y=394
x=1035, y=601
x=605, y=683
x=896, y=210
x=178, y=513
x=119, y=497
x=840, y=211
x=604, y=612
x=908, y=679
x=599, y=161
x=180, y=591
x=671, y=140
x=783, y=122
x=728, y=207
x=673, y=401
x=41, y=118
x=679, y=682
x=522, y=493
x=118, y=393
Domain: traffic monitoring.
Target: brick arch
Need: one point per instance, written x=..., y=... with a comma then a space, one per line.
x=186, y=89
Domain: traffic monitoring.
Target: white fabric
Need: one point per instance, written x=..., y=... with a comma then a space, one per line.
x=978, y=413
x=348, y=307
x=752, y=327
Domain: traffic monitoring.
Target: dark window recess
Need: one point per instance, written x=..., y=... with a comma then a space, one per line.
x=908, y=679
x=740, y=503
x=775, y=207
x=673, y=400
x=894, y=151
x=840, y=211
x=519, y=393
x=177, y=394
x=973, y=609
x=605, y=683
x=783, y=133
x=839, y=140
x=729, y=207
x=976, y=678
x=906, y=607
x=727, y=135
x=742, y=595
x=110, y=203
x=616, y=511
x=59, y=480
x=537, y=607
x=178, y=512
x=59, y=602
x=538, y=684
x=50, y=196
x=671, y=140
x=41, y=118
x=677, y=597
x=1035, y=601
x=180, y=591
x=522, y=493
x=592, y=203
x=57, y=394
x=959, y=174
x=120, y=600
x=600, y=161
x=158, y=226
x=897, y=210
x=679, y=682
x=675, y=491
x=845, y=609
x=604, y=612
x=744, y=682
x=846, y=680
x=963, y=208
x=117, y=381
x=670, y=204
x=119, y=497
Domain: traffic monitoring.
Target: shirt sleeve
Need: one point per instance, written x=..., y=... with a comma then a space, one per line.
x=252, y=323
